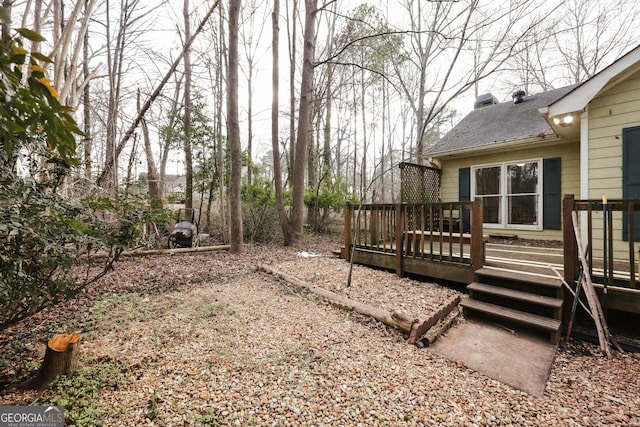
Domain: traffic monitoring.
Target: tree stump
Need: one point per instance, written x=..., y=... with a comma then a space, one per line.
x=59, y=359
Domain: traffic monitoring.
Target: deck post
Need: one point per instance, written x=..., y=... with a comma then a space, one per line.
x=477, y=242
x=400, y=224
x=569, y=245
x=346, y=254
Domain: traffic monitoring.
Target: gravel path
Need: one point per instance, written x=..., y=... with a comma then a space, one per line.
x=207, y=340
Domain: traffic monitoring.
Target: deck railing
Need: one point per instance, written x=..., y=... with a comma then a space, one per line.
x=438, y=232
x=610, y=245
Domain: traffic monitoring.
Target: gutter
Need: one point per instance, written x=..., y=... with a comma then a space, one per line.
x=546, y=137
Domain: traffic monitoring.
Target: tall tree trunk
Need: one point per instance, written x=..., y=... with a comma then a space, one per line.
x=6, y=5
x=293, y=38
x=304, y=118
x=365, y=147
x=275, y=112
x=155, y=193
x=224, y=212
x=169, y=135
x=233, y=130
x=115, y=59
x=250, y=123
x=188, y=156
x=86, y=104
x=131, y=164
x=37, y=25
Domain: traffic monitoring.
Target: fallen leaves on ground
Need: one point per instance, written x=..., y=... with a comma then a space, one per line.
x=205, y=339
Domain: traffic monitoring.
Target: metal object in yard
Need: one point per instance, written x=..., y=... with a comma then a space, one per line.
x=185, y=232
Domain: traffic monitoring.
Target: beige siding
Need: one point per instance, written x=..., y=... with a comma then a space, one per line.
x=569, y=152
x=609, y=113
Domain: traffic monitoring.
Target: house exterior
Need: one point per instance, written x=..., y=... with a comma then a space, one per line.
x=508, y=155
x=522, y=157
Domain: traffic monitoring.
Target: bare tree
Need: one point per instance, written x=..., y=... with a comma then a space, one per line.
x=434, y=73
x=292, y=37
x=233, y=130
x=251, y=32
x=155, y=193
x=594, y=34
x=188, y=156
x=275, y=127
x=109, y=166
x=304, y=119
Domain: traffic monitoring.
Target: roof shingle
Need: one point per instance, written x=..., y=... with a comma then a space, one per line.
x=498, y=123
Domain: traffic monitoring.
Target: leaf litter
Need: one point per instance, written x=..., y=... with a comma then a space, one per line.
x=205, y=339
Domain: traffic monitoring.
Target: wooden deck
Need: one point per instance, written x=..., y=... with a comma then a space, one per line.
x=539, y=262
x=445, y=241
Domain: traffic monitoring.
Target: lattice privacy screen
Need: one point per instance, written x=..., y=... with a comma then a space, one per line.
x=419, y=184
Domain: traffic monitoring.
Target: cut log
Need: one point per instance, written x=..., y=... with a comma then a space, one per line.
x=440, y=328
x=149, y=252
x=421, y=327
x=60, y=358
x=394, y=319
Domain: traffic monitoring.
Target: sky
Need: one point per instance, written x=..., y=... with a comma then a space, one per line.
x=161, y=35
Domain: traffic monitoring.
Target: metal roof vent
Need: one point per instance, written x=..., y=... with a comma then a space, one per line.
x=484, y=100
x=518, y=96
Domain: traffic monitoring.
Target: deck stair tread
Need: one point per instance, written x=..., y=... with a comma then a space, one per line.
x=518, y=316
x=516, y=295
x=519, y=276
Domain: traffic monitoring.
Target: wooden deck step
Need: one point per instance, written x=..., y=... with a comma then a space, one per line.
x=555, y=303
x=533, y=320
x=519, y=276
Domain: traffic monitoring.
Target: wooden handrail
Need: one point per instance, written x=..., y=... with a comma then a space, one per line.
x=383, y=227
x=629, y=208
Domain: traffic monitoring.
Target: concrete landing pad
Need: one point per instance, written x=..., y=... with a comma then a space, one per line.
x=520, y=360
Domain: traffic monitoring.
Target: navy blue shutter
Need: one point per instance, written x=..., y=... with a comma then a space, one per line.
x=631, y=177
x=464, y=184
x=464, y=194
x=552, y=194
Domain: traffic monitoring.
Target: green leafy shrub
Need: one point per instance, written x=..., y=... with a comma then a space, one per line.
x=47, y=243
x=45, y=238
x=259, y=213
x=330, y=196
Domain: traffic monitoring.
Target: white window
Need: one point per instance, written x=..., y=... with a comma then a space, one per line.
x=511, y=194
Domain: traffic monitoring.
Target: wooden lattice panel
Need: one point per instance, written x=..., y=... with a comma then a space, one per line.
x=419, y=184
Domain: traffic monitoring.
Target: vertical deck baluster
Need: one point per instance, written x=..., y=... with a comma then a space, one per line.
x=440, y=227
x=367, y=212
x=460, y=230
x=413, y=228
x=590, y=239
x=422, y=229
x=450, y=220
x=383, y=230
x=399, y=230
x=388, y=224
x=609, y=243
x=431, y=232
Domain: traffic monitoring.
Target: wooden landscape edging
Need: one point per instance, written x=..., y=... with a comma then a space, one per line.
x=414, y=327
x=420, y=328
x=149, y=252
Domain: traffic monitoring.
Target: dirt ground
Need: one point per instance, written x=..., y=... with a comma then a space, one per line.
x=206, y=339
